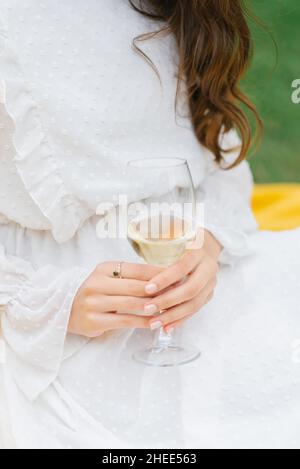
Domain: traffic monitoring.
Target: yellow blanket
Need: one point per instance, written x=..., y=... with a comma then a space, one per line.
x=277, y=206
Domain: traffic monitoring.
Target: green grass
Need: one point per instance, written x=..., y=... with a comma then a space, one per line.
x=270, y=87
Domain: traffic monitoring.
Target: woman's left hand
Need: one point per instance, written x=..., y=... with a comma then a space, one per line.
x=192, y=280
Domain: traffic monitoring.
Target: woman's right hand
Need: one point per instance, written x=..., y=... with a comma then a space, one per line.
x=104, y=303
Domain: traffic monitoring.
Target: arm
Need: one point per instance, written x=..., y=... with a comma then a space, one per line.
x=226, y=195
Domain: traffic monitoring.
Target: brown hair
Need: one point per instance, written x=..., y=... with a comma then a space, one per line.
x=215, y=50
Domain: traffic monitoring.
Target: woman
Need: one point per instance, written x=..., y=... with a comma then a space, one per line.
x=78, y=102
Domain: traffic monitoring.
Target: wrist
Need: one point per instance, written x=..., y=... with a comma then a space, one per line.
x=212, y=246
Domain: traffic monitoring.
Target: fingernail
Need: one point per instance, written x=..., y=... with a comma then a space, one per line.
x=155, y=325
x=150, y=309
x=170, y=331
x=151, y=288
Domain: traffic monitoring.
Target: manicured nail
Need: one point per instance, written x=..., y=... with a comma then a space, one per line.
x=151, y=288
x=155, y=325
x=170, y=330
x=150, y=309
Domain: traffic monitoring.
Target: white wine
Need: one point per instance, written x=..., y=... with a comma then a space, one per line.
x=160, y=241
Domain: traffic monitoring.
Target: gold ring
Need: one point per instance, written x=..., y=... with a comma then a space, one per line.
x=117, y=273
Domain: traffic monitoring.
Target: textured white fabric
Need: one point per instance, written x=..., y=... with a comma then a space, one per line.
x=77, y=103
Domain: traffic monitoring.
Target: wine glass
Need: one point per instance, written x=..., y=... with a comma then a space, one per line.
x=160, y=228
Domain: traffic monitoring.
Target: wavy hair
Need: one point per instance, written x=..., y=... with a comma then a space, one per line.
x=215, y=50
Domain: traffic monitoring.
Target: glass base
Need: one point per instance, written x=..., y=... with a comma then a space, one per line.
x=169, y=356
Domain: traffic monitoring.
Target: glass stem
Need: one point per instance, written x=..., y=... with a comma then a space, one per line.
x=162, y=339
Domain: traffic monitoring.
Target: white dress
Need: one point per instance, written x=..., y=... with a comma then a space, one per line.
x=77, y=102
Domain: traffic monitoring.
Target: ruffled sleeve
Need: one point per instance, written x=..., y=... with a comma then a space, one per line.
x=226, y=197
x=37, y=305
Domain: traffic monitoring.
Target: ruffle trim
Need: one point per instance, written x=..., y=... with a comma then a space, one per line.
x=35, y=327
x=34, y=158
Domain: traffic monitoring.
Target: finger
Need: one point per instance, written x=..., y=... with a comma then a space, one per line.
x=185, y=309
x=143, y=272
x=194, y=284
x=118, y=303
x=122, y=287
x=112, y=321
x=175, y=273
x=170, y=327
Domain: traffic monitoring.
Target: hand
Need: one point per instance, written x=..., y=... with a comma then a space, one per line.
x=104, y=303
x=193, y=280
